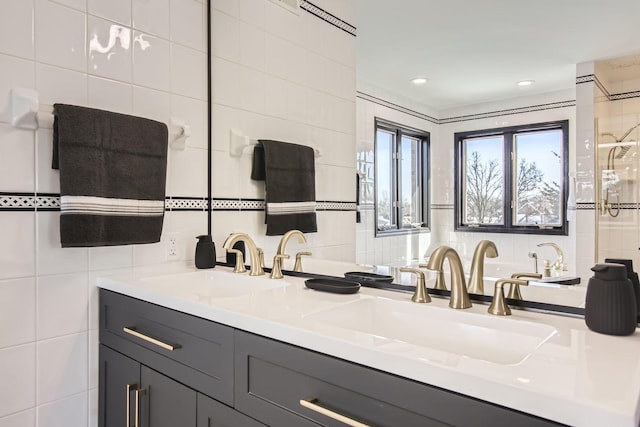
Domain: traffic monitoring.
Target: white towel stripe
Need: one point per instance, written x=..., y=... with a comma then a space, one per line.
x=287, y=208
x=110, y=206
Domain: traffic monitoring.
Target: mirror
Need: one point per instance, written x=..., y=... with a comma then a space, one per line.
x=290, y=76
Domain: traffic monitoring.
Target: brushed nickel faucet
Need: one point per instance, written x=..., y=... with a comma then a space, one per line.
x=476, y=275
x=459, y=295
x=420, y=295
x=499, y=305
x=559, y=264
x=283, y=244
x=514, y=290
x=254, y=253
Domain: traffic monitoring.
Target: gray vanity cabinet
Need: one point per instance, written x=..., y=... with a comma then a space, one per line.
x=131, y=391
x=287, y=386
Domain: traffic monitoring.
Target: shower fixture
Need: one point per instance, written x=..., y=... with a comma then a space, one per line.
x=606, y=207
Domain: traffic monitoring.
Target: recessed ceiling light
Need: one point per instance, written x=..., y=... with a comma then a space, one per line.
x=419, y=80
x=525, y=83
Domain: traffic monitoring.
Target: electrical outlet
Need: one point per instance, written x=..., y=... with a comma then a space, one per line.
x=171, y=246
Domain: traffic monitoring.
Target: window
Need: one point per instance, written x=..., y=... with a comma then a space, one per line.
x=401, y=178
x=513, y=180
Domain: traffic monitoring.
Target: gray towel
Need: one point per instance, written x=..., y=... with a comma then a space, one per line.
x=112, y=176
x=290, y=187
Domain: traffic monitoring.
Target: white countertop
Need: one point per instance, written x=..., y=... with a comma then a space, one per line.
x=575, y=376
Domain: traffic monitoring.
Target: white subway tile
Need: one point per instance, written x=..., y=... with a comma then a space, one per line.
x=225, y=37
x=94, y=361
x=47, y=178
x=152, y=16
x=62, y=305
x=252, y=46
x=21, y=419
x=186, y=23
x=69, y=412
x=192, y=111
x=109, y=49
x=188, y=225
x=17, y=154
x=17, y=247
x=187, y=72
x=151, y=62
x=51, y=258
x=251, y=93
x=252, y=12
x=93, y=407
x=186, y=172
x=110, y=95
x=80, y=5
x=114, y=10
x=59, y=85
x=62, y=367
x=17, y=312
x=225, y=82
x=152, y=104
x=14, y=72
x=60, y=36
x=16, y=28
x=17, y=370
x=226, y=6
x=153, y=253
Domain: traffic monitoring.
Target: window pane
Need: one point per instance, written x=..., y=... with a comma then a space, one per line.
x=483, y=180
x=410, y=197
x=538, y=184
x=384, y=180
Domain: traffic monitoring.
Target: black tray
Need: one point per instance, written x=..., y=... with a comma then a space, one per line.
x=364, y=278
x=333, y=285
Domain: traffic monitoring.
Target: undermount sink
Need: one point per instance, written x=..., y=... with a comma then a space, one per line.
x=214, y=284
x=435, y=333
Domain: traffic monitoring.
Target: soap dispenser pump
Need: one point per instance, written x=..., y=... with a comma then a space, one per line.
x=610, y=306
x=205, y=252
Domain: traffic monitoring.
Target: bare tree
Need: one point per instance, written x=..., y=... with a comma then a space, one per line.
x=484, y=190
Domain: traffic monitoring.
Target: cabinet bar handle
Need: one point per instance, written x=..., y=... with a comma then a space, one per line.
x=139, y=393
x=312, y=404
x=132, y=331
x=130, y=388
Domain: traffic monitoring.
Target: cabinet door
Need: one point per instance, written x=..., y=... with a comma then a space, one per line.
x=214, y=414
x=165, y=402
x=119, y=377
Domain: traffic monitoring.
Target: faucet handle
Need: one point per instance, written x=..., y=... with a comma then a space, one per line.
x=514, y=290
x=276, y=270
x=420, y=295
x=439, y=278
x=239, y=267
x=499, y=305
x=298, y=265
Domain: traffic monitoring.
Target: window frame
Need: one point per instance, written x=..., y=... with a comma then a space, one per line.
x=424, y=145
x=508, y=134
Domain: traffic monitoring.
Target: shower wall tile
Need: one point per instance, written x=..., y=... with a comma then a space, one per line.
x=153, y=104
x=68, y=291
x=182, y=106
x=62, y=366
x=184, y=63
x=51, y=257
x=16, y=28
x=70, y=412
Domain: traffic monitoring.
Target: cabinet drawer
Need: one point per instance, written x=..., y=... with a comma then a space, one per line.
x=197, y=351
x=272, y=378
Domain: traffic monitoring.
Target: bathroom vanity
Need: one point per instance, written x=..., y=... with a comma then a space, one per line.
x=213, y=348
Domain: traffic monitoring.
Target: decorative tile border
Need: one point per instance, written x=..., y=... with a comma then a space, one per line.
x=185, y=204
x=442, y=206
x=17, y=202
x=327, y=17
x=592, y=78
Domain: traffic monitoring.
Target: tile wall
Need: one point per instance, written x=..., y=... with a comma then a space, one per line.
x=143, y=57
x=290, y=77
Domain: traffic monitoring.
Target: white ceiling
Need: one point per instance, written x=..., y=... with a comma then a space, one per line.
x=475, y=51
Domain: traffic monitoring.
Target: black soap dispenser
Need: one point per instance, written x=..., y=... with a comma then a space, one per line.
x=205, y=252
x=610, y=306
x=632, y=275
